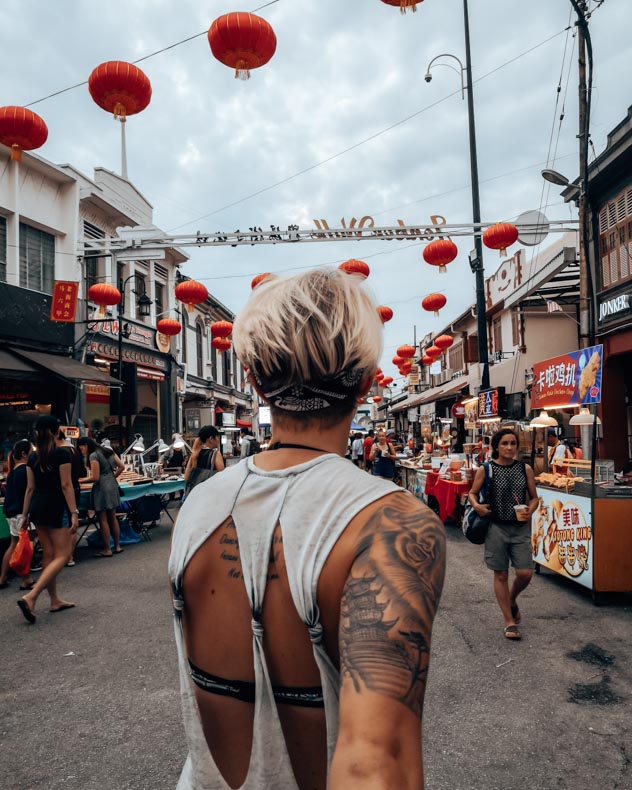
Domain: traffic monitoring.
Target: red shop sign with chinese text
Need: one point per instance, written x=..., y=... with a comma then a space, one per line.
x=64, y=304
x=570, y=379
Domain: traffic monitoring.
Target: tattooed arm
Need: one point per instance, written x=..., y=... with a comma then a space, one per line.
x=387, y=610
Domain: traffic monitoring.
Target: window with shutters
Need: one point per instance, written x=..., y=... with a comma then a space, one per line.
x=159, y=298
x=199, y=349
x=515, y=328
x=214, y=362
x=497, y=335
x=471, y=349
x=185, y=335
x=455, y=358
x=3, y=250
x=615, y=239
x=37, y=259
x=226, y=370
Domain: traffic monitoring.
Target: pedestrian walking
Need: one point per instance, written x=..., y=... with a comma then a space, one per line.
x=357, y=449
x=383, y=457
x=49, y=492
x=368, y=443
x=511, y=503
x=106, y=499
x=350, y=569
x=206, y=458
x=13, y=507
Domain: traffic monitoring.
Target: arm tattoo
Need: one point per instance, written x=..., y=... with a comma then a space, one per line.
x=389, y=603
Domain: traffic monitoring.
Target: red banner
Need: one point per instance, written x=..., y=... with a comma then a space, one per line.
x=64, y=304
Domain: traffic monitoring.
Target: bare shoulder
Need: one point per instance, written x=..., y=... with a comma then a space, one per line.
x=390, y=600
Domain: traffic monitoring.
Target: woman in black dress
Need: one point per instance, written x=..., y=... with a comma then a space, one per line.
x=49, y=492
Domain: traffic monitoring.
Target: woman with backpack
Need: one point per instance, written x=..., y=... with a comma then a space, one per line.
x=206, y=458
x=512, y=501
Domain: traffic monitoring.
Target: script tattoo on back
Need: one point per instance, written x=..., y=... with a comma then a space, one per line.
x=390, y=600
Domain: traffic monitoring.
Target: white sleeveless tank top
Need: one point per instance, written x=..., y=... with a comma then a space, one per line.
x=313, y=503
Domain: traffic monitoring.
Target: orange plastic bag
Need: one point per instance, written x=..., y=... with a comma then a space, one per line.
x=20, y=561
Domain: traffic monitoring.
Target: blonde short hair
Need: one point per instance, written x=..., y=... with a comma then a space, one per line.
x=309, y=327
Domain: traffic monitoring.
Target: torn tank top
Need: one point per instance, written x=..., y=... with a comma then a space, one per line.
x=313, y=502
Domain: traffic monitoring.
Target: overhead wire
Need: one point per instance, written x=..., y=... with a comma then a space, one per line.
x=140, y=60
x=368, y=139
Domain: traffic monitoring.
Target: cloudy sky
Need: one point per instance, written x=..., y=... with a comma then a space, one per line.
x=341, y=115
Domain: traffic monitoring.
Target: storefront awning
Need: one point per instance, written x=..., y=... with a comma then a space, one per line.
x=243, y=423
x=14, y=366
x=65, y=367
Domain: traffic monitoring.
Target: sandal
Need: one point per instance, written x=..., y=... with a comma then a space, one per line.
x=512, y=632
x=27, y=586
x=515, y=613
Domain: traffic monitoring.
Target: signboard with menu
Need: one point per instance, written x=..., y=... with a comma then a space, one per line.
x=568, y=380
x=561, y=535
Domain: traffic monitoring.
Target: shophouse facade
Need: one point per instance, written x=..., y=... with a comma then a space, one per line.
x=532, y=314
x=53, y=220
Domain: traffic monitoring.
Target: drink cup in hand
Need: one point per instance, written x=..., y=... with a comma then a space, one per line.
x=522, y=512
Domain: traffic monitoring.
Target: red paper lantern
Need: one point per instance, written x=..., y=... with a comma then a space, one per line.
x=427, y=360
x=353, y=266
x=120, y=88
x=385, y=313
x=259, y=279
x=397, y=361
x=191, y=293
x=105, y=295
x=444, y=342
x=433, y=303
x=500, y=236
x=21, y=130
x=387, y=381
x=377, y=398
x=242, y=41
x=440, y=252
x=169, y=327
x=404, y=4
x=406, y=368
x=433, y=352
x=406, y=352
x=378, y=372
x=221, y=328
x=221, y=344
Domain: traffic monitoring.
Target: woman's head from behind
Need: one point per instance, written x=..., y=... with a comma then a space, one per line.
x=46, y=432
x=311, y=343
x=19, y=453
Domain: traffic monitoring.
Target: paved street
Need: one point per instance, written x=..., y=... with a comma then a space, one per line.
x=89, y=698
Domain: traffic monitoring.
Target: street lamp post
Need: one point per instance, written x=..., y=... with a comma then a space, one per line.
x=476, y=257
x=144, y=309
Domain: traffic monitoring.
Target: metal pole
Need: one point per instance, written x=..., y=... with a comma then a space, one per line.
x=123, y=150
x=481, y=307
x=121, y=306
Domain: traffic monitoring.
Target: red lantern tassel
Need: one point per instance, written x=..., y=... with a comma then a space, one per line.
x=16, y=153
x=242, y=72
x=119, y=111
x=412, y=4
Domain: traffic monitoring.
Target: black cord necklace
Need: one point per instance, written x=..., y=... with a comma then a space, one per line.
x=289, y=446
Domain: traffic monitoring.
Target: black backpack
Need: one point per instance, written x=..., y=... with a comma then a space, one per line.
x=253, y=446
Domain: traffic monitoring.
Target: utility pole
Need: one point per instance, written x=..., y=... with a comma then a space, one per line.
x=476, y=264
x=586, y=329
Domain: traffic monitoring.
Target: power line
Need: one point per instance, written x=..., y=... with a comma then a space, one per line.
x=365, y=140
x=140, y=60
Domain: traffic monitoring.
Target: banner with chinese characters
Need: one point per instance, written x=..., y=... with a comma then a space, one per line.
x=561, y=535
x=567, y=380
x=491, y=403
x=64, y=302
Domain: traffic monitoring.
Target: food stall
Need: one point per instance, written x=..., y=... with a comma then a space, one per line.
x=582, y=528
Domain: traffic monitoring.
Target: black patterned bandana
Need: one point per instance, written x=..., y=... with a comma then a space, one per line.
x=312, y=395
